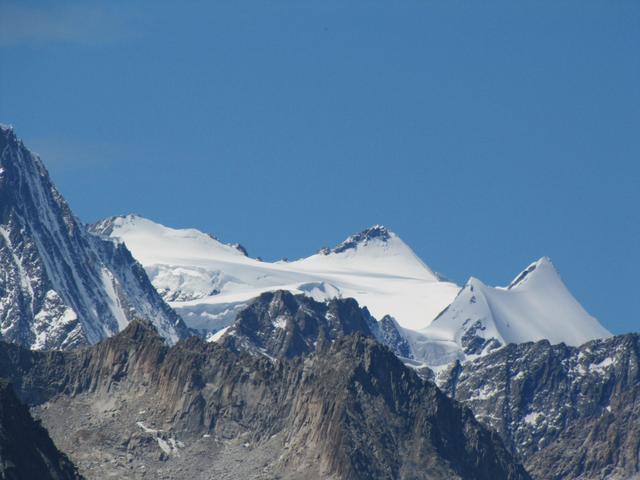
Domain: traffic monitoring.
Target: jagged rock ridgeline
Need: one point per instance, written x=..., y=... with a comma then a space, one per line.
x=60, y=286
x=280, y=324
x=566, y=412
x=352, y=410
x=377, y=232
x=295, y=384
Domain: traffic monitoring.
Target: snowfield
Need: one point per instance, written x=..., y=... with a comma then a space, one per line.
x=208, y=282
x=535, y=306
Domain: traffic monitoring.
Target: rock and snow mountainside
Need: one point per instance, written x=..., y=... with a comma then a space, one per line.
x=208, y=282
x=535, y=306
x=61, y=286
x=566, y=412
x=198, y=410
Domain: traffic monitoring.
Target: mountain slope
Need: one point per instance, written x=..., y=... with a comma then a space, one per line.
x=567, y=412
x=26, y=451
x=202, y=410
x=59, y=285
x=208, y=282
x=535, y=306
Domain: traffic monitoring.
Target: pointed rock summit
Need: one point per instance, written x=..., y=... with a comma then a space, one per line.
x=60, y=286
x=376, y=249
x=377, y=233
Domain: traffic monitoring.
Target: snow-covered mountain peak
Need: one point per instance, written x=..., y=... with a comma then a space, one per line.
x=154, y=243
x=536, y=306
x=374, y=250
x=59, y=285
x=207, y=282
x=474, y=283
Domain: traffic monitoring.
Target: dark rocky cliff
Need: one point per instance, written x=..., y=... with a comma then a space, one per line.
x=26, y=451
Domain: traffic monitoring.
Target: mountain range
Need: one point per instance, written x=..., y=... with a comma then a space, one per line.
x=208, y=282
x=130, y=349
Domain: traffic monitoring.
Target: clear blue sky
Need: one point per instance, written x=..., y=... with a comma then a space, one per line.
x=485, y=133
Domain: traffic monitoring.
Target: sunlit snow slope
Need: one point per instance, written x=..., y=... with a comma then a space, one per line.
x=207, y=282
x=535, y=306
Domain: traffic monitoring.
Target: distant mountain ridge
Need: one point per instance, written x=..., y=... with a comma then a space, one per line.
x=300, y=368
x=208, y=283
x=62, y=285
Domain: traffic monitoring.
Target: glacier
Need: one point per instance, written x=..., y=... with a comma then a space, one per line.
x=208, y=282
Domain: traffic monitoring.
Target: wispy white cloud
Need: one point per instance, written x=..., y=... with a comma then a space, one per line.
x=76, y=24
x=61, y=155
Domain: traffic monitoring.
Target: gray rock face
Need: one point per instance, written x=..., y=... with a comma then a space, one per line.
x=348, y=411
x=281, y=324
x=60, y=286
x=565, y=412
x=376, y=232
x=388, y=332
x=26, y=451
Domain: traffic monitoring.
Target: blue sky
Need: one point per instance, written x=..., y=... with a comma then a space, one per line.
x=485, y=133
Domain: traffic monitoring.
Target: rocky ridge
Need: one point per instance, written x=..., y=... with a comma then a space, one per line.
x=350, y=410
x=566, y=412
x=281, y=324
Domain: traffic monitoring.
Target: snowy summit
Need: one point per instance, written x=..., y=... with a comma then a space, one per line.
x=535, y=306
x=208, y=282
